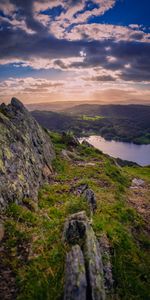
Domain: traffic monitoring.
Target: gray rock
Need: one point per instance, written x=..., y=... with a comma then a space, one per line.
x=70, y=140
x=136, y=182
x=78, y=230
x=82, y=188
x=75, y=227
x=88, y=193
x=107, y=266
x=91, y=199
x=65, y=155
x=26, y=154
x=94, y=266
x=75, y=276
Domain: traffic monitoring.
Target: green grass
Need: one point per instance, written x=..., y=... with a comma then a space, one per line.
x=39, y=231
x=91, y=118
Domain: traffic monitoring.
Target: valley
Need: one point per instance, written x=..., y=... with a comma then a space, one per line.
x=126, y=123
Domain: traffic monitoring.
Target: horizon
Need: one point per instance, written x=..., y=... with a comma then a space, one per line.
x=94, y=52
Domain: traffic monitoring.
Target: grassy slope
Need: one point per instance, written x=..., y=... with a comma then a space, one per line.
x=33, y=244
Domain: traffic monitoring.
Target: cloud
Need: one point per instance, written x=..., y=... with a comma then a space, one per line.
x=77, y=11
x=31, y=90
x=61, y=35
x=23, y=86
x=100, y=78
x=106, y=31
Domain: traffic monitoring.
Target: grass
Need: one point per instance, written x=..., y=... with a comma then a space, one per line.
x=34, y=247
x=91, y=118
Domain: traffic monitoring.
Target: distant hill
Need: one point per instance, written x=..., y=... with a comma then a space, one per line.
x=128, y=123
x=53, y=120
x=56, y=106
x=131, y=111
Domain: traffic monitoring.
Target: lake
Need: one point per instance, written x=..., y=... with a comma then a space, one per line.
x=126, y=151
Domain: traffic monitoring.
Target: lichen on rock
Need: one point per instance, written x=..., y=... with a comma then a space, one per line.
x=75, y=279
x=25, y=156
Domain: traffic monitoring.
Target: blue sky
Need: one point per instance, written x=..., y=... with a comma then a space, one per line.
x=96, y=50
x=127, y=12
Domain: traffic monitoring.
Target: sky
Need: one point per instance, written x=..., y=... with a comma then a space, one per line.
x=71, y=50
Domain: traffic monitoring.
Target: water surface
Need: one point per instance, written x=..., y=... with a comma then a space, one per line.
x=126, y=151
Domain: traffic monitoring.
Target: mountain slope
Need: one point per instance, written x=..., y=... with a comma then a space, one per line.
x=33, y=252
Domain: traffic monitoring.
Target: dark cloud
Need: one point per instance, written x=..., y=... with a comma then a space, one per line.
x=100, y=78
x=16, y=43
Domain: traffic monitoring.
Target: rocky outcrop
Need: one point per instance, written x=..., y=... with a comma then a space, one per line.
x=107, y=266
x=76, y=283
x=78, y=231
x=83, y=189
x=91, y=199
x=70, y=140
x=26, y=154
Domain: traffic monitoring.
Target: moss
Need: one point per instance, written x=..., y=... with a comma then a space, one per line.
x=8, y=153
x=21, y=177
x=2, y=167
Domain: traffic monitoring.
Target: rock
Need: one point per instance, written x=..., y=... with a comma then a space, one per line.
x=75, y=275
x=78, y=230
x=75, y=227
x=82, y=188
x=26, y=154
x=94, y=266
x=107, y=266
x=137, y=183
x=88, y=193
x=65, y=155
x=90, y=197
x=70, y=140
x=2, y=231
x=86, y=143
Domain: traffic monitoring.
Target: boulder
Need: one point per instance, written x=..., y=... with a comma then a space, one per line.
x=75, y=275
x=94, y=265
x=107, y=266
x=79, y=231
x=91, y=199
x=70, y=139
x=26, y=154
x=75, y=227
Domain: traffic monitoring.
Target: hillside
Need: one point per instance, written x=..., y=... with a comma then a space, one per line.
x=128, y=123
x=87, y=234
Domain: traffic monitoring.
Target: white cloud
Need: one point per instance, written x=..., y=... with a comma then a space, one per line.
x=77, y=14
x=7, y=7
x=106, y=31
x=31, y=90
